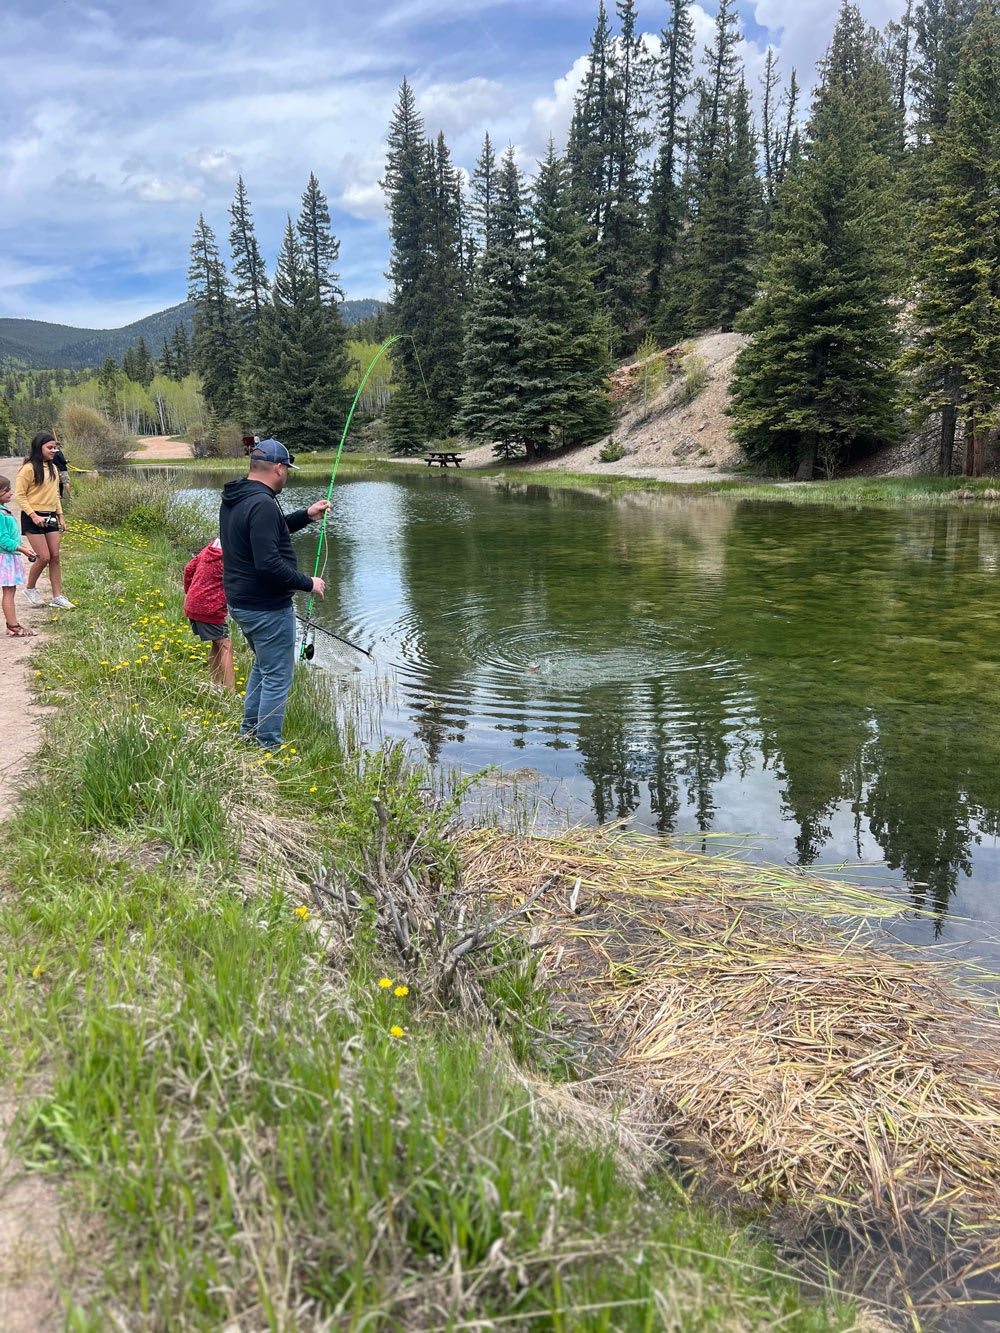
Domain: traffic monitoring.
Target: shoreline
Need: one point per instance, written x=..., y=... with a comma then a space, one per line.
x=174, y=1102
x=875, y=492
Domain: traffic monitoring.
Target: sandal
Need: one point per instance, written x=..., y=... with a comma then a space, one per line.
x=20, y=632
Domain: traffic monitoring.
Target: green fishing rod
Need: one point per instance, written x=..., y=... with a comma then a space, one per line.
x=306, y=651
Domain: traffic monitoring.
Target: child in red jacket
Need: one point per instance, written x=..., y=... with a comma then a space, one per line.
x=205, y=607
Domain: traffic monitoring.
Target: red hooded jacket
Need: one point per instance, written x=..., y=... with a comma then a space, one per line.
x=204, y=598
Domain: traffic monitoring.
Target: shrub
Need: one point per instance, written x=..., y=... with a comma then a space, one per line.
x=92, y=437
x=695, y=371
x=225, y=442
x=146, y=505
x=611, y=451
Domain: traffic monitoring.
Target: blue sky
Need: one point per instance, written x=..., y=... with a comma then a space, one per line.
x=119, y=123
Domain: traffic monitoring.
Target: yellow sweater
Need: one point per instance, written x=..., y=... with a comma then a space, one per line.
x=32, y=497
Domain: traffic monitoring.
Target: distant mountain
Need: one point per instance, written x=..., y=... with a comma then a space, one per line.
x=35, y=344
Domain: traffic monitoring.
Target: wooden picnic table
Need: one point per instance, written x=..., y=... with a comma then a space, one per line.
x=442, y=457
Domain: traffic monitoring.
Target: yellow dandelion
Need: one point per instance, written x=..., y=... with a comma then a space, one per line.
x=395, y=1030
x=313, y=788
x=384, y=983
x=303, y=912
x=401, y=990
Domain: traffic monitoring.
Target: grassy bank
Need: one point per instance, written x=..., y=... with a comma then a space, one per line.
x=260, y=1117
x=848, y=492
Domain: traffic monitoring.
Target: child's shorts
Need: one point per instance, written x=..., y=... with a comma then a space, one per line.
x=204, y=629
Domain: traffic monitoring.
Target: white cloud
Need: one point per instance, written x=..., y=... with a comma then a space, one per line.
x=457, y=107
x=168, y=190
x=551, y=116
x=214, y=162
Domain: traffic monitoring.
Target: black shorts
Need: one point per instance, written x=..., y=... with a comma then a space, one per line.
x=30, y=529
x=211, y=633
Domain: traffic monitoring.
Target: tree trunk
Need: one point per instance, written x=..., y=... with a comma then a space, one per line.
x=949, y=420
x=807, y=463
x=968, y=461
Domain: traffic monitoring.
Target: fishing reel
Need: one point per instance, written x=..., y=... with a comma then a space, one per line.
x=308, y=650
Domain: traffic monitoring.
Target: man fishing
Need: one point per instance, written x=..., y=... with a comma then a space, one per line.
x=260, y=577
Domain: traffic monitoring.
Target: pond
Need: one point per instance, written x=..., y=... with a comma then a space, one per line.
x=825, y=680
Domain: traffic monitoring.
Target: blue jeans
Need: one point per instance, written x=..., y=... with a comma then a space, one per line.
x=271, y=635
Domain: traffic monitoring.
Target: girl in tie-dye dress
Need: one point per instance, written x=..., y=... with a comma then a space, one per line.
x=12, y=547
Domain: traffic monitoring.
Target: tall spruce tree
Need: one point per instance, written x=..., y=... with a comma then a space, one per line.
x=727, y=226
x=445, y=290
x=723, y=184
x=319, y=245
x=955, y=355
x=621, y=255
x=590, y=150
x=165, y=365
x=494, y=373
x=565, y=347
x=666, y=208
x=816, y=382
x=144, y=368
x=250, y=286
x=297, y=388
x=181, y=346
x=408, y=188
x=215, y=352
x=484, y=186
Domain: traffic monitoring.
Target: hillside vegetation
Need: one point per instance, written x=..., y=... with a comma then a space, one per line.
x=37, y=344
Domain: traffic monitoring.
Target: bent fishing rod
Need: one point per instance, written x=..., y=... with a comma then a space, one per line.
x=308, y=648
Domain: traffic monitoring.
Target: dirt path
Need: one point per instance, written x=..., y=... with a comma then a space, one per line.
x=29, y=1216
x=153, y=448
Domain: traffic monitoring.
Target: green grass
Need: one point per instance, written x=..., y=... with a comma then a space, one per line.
x=858, y=492
x=237, y=1128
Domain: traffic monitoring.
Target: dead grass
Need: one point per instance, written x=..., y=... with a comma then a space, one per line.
x=806, y=1067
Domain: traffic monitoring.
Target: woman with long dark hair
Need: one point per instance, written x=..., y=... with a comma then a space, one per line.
x=36, y=490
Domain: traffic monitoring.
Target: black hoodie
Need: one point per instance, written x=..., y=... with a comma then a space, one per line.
x=258, y=563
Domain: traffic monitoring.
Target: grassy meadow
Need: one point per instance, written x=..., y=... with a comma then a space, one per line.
x=259, y=1116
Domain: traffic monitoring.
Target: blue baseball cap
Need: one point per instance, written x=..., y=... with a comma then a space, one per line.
x=271, y=451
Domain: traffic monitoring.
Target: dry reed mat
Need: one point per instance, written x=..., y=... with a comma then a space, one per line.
x=762, y=1023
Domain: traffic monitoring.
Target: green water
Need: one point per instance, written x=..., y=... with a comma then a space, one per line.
x=826, y=679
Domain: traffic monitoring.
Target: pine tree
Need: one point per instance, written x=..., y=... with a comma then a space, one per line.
x=319, y=245
x=621, y=256
x=565, y=352
x=165, y=365
x=109, y=385
x=493, y=365
x=956, y=351
x=182, y=352
x=250, y=289
x=483, y=191
x=406, y=420
x=130, y=366
x=591, y=134
x=408, y=188
x=666, y=202
x=143, y=364
x=727, y=227
x=296, y=389
x=215, y=352
x=817, y=382
x=445, y=291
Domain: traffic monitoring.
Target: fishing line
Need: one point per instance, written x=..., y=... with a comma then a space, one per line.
x=308, y=647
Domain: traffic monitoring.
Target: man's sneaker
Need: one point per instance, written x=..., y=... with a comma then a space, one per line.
x=34, y=597
x=63, y=603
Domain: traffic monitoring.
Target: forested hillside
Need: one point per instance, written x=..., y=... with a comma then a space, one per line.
x=35, y=344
